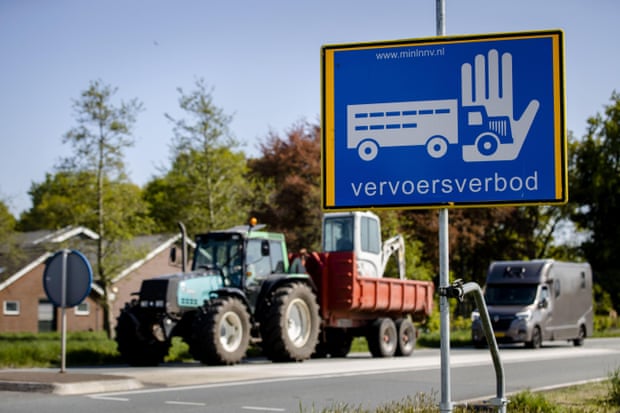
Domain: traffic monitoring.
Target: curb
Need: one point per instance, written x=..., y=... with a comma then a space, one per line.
x=66, y=383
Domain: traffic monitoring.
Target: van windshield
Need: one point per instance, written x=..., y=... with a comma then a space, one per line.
x=510, y=294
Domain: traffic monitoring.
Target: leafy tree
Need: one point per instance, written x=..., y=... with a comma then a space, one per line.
x=7, y=220
x=205, y=186
x=69, y=198
x=102, y=134
x=9, y=251
x=594, y=170
x=62, y=199
x=478, y=236
x=290, y=200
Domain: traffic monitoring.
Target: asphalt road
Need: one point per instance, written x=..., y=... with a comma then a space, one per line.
x=359, y=380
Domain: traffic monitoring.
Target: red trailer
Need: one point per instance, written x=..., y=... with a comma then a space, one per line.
x=355, y=296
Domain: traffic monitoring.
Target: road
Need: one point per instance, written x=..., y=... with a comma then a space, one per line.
x=358, y=380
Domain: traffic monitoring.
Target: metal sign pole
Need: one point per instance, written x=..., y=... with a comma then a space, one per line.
x=444, y=275
x=63, y=311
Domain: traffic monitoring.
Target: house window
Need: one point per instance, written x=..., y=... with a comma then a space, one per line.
x=11, y=308
x=82, y=309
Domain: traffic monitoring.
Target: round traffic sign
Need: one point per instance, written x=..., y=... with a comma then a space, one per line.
x=76, y=273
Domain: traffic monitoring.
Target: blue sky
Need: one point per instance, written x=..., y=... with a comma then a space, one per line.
x=262, y=59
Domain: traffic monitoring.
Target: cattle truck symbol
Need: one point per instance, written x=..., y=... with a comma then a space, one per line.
x=432, y=123
x=488, y=112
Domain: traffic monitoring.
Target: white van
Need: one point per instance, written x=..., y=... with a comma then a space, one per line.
x=534, y=301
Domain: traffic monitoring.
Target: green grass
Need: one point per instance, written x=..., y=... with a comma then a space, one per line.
x=27, y=350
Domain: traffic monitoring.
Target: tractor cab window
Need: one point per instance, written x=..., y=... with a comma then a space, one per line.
x=277, y=257
x=338, y=234
x=258, y=258
x=221, y=254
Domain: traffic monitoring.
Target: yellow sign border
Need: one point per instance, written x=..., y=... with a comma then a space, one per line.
x=328, y=192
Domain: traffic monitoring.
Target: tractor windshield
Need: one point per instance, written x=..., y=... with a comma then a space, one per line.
x=222, y=253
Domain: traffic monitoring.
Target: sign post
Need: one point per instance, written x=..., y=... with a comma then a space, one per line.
x=67, y=280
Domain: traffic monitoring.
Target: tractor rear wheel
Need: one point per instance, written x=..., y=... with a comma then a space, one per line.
x=290, y=325
x=138, y=343
x=221, y=332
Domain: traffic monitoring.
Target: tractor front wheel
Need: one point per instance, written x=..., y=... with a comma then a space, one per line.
x=139, y=344
x=221, y=332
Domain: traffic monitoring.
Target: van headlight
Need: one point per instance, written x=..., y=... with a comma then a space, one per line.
x=475, y=315
x=524, y=315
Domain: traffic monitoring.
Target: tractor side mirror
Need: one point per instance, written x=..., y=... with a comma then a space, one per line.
x=264, y=248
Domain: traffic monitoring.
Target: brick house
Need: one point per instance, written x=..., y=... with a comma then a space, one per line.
x=25, y=306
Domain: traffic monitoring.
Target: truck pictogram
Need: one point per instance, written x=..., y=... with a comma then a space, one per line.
x=487, y=105
x=433, y=124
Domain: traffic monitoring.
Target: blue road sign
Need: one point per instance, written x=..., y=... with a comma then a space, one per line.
x=445, y=121
x=72, y=268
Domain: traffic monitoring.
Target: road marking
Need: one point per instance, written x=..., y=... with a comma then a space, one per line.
x=185, y=403
x=263, y=409
x=115, y=399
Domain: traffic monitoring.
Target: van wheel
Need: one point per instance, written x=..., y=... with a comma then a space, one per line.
x=536, y=339
x=582, y=335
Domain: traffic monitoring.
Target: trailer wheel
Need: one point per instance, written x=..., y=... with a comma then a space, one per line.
x=290, y=325
x=582, y=335
x=536, y=341
x=382, y=338
x=221, y=332
x=138, y=344
x=406, y=337
x=333, y=342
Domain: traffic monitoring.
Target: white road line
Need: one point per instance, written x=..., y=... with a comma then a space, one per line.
x=263, y=409
x=186, y=403
x=115, y=399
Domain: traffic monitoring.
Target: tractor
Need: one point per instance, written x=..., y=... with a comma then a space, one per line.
x=238, y=292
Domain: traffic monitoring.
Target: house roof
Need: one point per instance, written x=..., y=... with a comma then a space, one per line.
x=37, y=246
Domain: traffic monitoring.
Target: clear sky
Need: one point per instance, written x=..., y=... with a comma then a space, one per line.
x=262, y=59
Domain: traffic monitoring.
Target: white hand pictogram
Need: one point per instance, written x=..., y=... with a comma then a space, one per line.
x=497, y=101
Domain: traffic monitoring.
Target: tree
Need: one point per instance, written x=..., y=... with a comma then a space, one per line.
x=9, y=251
x=102, y=134
x=290, y=200
x=594, y=177
x=62, y=199
x=205, y=187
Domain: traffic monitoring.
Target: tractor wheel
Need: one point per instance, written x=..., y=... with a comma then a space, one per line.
x=406, y=337
x=382, y=338
x=221, y=332
x=290, y=325
x=136, y=342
